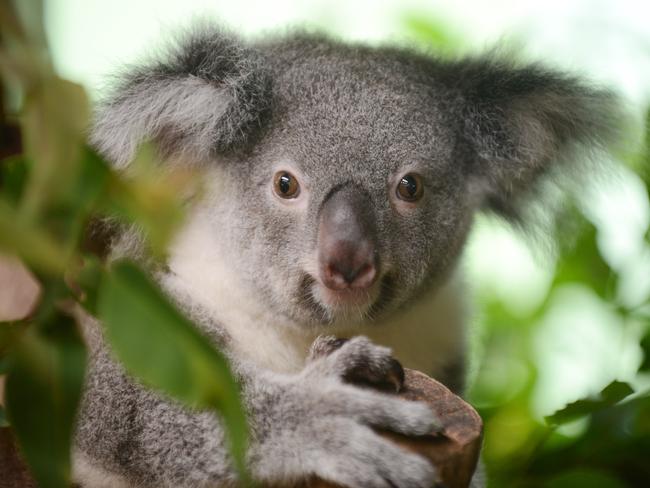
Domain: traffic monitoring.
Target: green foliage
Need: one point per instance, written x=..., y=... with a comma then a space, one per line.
x=584, y=478
x=50, y=189
x=645, y=346
x=3, y=418
x=433, y=34
x=611, y=395
x=160, y=346
x=43, y=389
x=54, y=185
x=596, y=441
x=598, y=275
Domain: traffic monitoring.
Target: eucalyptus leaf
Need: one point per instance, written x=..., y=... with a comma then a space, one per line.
x=583, y=263
x=156, y=343
x=4, y=363
x=645, y=346
x=4, y=422
x=584, y=478
x=42, y=394
x=29, y=242
x=13, y=177
x=66, y=217
x=84, y=280
x=644, y=164
x=31, y=18
x=433, y=33
x=54, y=123
x=151, y=197
x=610, y=395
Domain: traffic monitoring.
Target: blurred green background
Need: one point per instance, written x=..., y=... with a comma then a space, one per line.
x=549, y=328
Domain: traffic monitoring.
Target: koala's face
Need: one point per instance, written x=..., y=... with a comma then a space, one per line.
x=350, y=173
x=355, y=199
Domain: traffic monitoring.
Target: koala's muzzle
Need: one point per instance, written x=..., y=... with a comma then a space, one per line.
x=347, y=256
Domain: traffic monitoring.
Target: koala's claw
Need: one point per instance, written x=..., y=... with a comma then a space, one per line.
x=324, y=345
x=357, y=361
x=317, y=423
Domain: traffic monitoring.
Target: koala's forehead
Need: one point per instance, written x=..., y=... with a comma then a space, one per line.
x=346, y=109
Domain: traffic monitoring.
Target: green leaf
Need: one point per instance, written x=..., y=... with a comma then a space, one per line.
x=3, y=418
x=54, y=122
x=31, y=15
x=610, y=395
x=615, y=392
x=27, y=241
x=151, y=198
x=645, y=346
x=42, y=393
x=84, y=280
x=13, y=177
x=47, y=243
x=644, y=160
x=4, y=364
x=433, y=33
x=65, y=218
x=584, y=478
x=156, y=343
x=583, y=263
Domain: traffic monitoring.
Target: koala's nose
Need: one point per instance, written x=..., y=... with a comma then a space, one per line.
x=347, y=256
x=349, y=265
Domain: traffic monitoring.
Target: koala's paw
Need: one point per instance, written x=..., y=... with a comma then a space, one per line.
x=356, y=361
x=318, y=425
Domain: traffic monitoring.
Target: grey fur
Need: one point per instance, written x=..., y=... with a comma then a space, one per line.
x=481, y=132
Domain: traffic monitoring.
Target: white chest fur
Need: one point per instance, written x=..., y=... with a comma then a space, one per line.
x=427, y=336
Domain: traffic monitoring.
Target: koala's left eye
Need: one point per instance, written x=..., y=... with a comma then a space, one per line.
x=410, y=187
x=286, y=185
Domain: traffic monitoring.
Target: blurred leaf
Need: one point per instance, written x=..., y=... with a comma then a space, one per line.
x=84, y=280
x=29, y=15
x=42, y=393
x=645, y=346
x=582, y=263
x=3, y=418
x=10, y=136
x=54, y=123
x=9, y=20
x=35, y=247
x=152, y=197
x=610, y=395
x=584, y=478
x=644, y=159
x=24, y=57
x=50, y=245
x=4, y=363
x=66, y=217
x=13, y=177
x=617, y=442
x=433, y=33
x=160, y=346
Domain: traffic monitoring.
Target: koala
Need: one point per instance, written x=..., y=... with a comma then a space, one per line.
x=341, y=182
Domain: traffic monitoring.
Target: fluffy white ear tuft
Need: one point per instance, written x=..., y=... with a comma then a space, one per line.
x=520, y=123
x=205, y=96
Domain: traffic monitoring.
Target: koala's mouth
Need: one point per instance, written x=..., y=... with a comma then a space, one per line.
x=348, y=305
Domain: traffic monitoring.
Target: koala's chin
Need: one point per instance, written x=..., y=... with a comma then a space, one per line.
x=346, y=307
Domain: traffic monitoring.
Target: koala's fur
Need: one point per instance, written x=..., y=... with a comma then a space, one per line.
x=350, y=119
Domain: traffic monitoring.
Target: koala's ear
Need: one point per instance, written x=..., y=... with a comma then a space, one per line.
x=204, y=96
x=519, y=123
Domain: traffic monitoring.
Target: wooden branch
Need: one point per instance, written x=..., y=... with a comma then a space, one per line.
x=455, y=451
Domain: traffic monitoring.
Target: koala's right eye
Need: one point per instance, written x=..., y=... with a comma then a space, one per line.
x=286, y=185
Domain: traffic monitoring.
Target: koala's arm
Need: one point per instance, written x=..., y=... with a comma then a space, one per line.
x=310, y=423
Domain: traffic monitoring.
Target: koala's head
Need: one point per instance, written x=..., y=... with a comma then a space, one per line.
x=349, y=175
